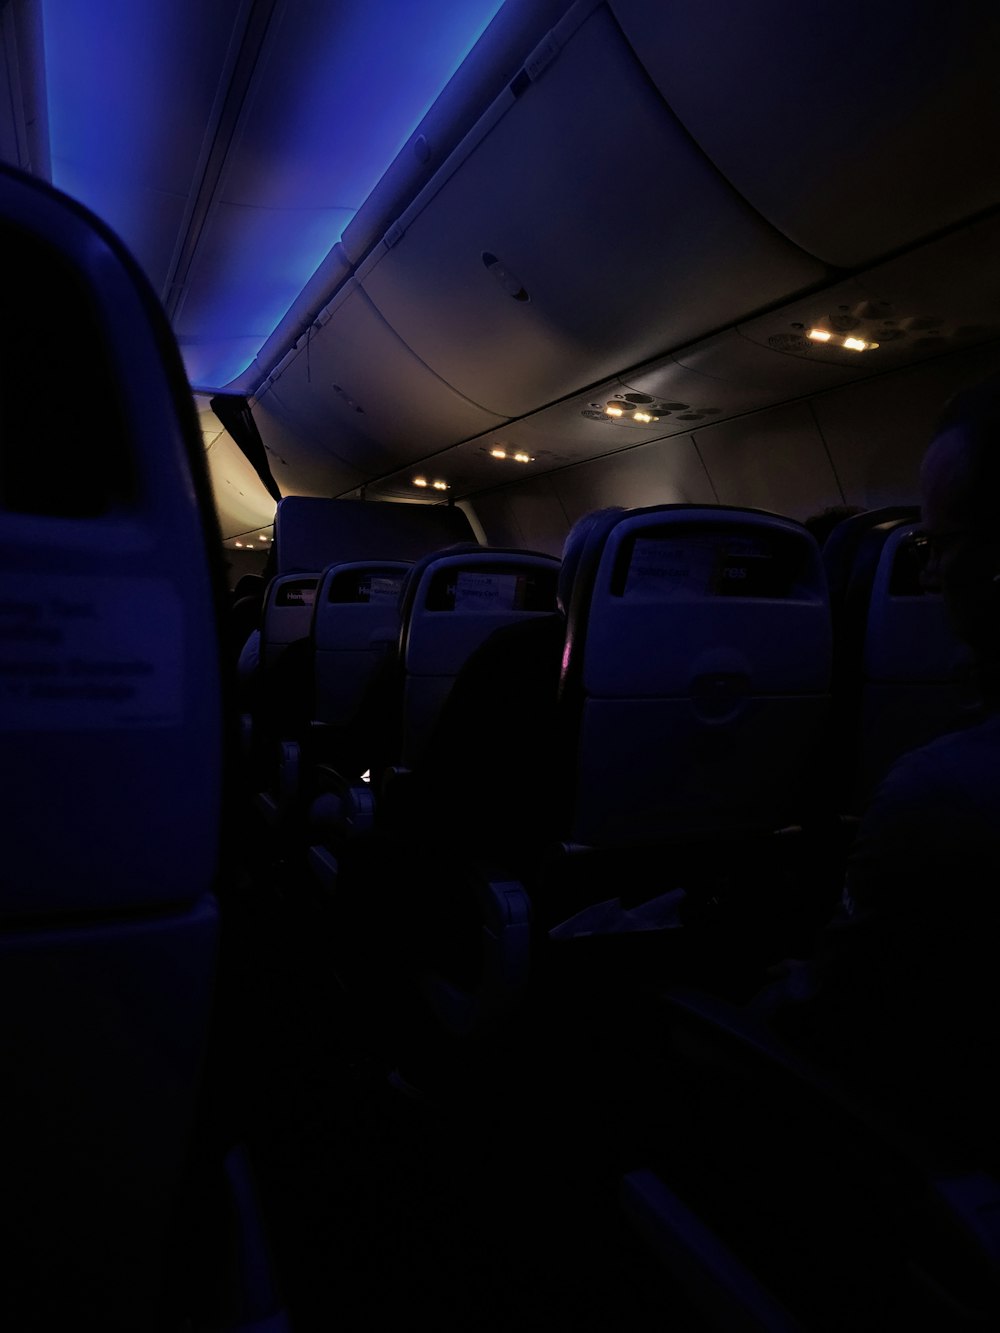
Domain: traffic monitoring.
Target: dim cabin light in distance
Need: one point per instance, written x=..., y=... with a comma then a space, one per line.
x=618, y=410
x=851, y=344
x=498, y=451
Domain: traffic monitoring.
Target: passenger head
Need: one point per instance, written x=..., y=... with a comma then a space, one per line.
x=960, y=514
x=573, y=548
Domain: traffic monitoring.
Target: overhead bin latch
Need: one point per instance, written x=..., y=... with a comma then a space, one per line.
x=536, y=64
x=394, y=234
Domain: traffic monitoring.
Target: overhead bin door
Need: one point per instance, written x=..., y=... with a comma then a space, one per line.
x=854, y=128
x=333, y=388
x=576, y=230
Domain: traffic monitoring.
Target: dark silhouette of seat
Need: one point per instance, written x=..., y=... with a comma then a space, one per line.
x=117, y=742
x=901, y=675
x=689, y=687
x=441, y=786
x=354, y=634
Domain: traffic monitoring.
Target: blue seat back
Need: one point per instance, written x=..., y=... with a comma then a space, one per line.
x=903, y=676
x=112, y=708
x=355, y=627
x=697, y=676
x=287, y=613
x=453, y=601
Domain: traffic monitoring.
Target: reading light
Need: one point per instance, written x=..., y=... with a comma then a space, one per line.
x=855, y=344
x=420, y=481
x=239, y=543
x=440, y=485
x=819, y=335
x=522, y=458
x=498, y=453
x=614, y=411
x=642, y=416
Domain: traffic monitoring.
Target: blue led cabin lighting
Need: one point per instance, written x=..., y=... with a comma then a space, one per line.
x=132, y=87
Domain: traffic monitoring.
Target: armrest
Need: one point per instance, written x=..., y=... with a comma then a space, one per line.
x=341, y=807
x=505, y=922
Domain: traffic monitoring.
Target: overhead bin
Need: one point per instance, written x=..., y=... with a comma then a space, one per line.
x=938, y=297
x=332, y=390
x=854, y=128
x=494, y=60
x=524, y=244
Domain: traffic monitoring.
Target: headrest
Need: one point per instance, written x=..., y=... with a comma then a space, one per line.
x=469, y=578
x=841, y=547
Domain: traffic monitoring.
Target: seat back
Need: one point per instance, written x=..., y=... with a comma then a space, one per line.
x=287, y=613
x=903, y=675
x=355, y=626
x=697, y=675
x=840, y=549
x=113, y=597
x=452, y=602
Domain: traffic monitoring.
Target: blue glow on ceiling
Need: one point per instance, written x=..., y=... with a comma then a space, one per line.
x=134, y=93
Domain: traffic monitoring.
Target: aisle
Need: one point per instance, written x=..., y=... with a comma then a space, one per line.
x=473, y=1215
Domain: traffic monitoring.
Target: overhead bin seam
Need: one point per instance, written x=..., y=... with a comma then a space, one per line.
x=537, y=62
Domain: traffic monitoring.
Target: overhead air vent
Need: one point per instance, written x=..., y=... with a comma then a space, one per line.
x=840, y=334
x=789, y=342
x=642, y=409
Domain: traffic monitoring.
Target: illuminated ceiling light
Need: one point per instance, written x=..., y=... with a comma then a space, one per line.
x=613, y=410
x=440, y=485
x=498, y=453
x=855, y=344
x=239, y=543
x=819, y=335
x=349, y=130
x=420, y=481
x=642, y=416
x=523, y=458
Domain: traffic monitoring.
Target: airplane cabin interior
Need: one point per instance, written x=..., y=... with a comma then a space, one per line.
x=431, y=711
